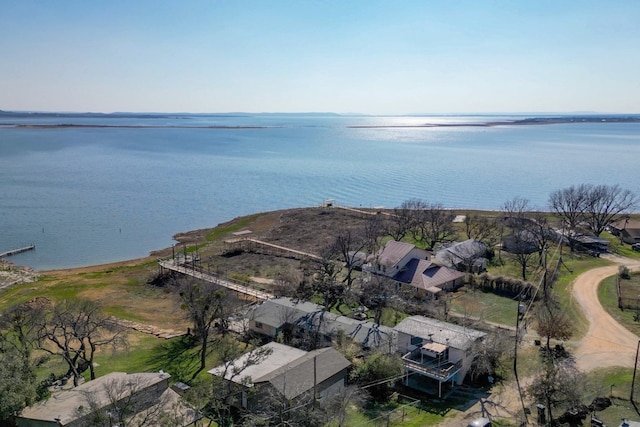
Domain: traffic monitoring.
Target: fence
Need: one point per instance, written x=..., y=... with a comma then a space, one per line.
x=628, y=297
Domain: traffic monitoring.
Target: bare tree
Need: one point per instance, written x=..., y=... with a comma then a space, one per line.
x=324, y=279
x=481, y=228
x=558, y=383
x=349, y=244
x=431, y=224
x=489, y=355
x=372, y=232
x=530, y=233
x=570, y=204
x=203, y=304
x=287, y=282
x=606, y=204
x=74, y=330
x=377, y=292
x=401, y=221
x=552, y=321
x=520, y=242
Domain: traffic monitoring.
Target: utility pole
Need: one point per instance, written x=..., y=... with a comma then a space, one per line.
x=635, y=368
x=515, y=364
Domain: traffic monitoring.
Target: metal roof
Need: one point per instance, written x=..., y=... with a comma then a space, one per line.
x=440, y=332
x=289, y=370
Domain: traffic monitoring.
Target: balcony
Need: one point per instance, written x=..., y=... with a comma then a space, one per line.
x=436, y=368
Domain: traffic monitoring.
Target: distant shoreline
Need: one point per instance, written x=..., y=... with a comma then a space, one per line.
x=522, y=122
x=71, y=125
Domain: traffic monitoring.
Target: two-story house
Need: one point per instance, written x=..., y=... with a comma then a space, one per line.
x=435, y=353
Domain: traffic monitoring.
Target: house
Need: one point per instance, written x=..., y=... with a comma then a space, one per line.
x=592, y=244
x=429, y=278
x=627, y=229
x=287, y=371
x=118, y=397
x=287, y=316
x=435, y=352
x=469, y=256
x=393, y=257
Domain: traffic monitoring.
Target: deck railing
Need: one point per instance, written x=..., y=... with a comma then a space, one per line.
x=438, y=370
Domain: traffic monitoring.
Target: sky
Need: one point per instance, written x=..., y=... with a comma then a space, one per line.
x=352, y=56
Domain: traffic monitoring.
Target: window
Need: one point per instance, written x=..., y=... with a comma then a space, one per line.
x=416, y=341
x=258, y=325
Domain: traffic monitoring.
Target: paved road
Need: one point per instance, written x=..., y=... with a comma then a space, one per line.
x=607, y=343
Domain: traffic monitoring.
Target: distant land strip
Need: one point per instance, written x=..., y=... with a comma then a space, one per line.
x=523, y=122
x=75, y=125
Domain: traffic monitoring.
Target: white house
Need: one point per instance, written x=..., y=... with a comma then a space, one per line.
x=393, y=257
x=435, y=351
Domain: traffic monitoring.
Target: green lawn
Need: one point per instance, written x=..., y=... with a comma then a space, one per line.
x=486, y=306
x=608, y=298
x=398, y=414
x=502, y=309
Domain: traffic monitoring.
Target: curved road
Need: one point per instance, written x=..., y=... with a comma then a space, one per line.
x=607, y=343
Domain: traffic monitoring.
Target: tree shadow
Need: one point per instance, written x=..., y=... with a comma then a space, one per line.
x=178, y=357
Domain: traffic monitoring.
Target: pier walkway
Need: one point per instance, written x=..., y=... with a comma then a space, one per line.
x=170, y=264
x=247, y=241
x=17, y=251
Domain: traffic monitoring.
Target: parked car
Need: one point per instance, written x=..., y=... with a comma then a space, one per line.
x=636, y=247
x=480, y=422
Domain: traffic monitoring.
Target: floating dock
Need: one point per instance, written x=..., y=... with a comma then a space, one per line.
x=17, y=251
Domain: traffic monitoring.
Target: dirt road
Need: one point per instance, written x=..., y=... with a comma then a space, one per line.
x=607, y=343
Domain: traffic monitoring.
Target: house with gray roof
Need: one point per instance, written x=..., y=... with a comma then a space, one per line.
x=289, y=317
x=435, y=352
x=288, y=371
x=627, y=229
x=118, y=398
x=469, y=255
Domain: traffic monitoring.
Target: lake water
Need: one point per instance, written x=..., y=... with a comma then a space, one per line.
x=91, y=195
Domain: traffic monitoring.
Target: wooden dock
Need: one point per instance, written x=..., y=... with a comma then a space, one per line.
x=257, y=294
x=17, y=251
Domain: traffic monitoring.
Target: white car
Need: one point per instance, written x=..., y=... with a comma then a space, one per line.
x=480, y=422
